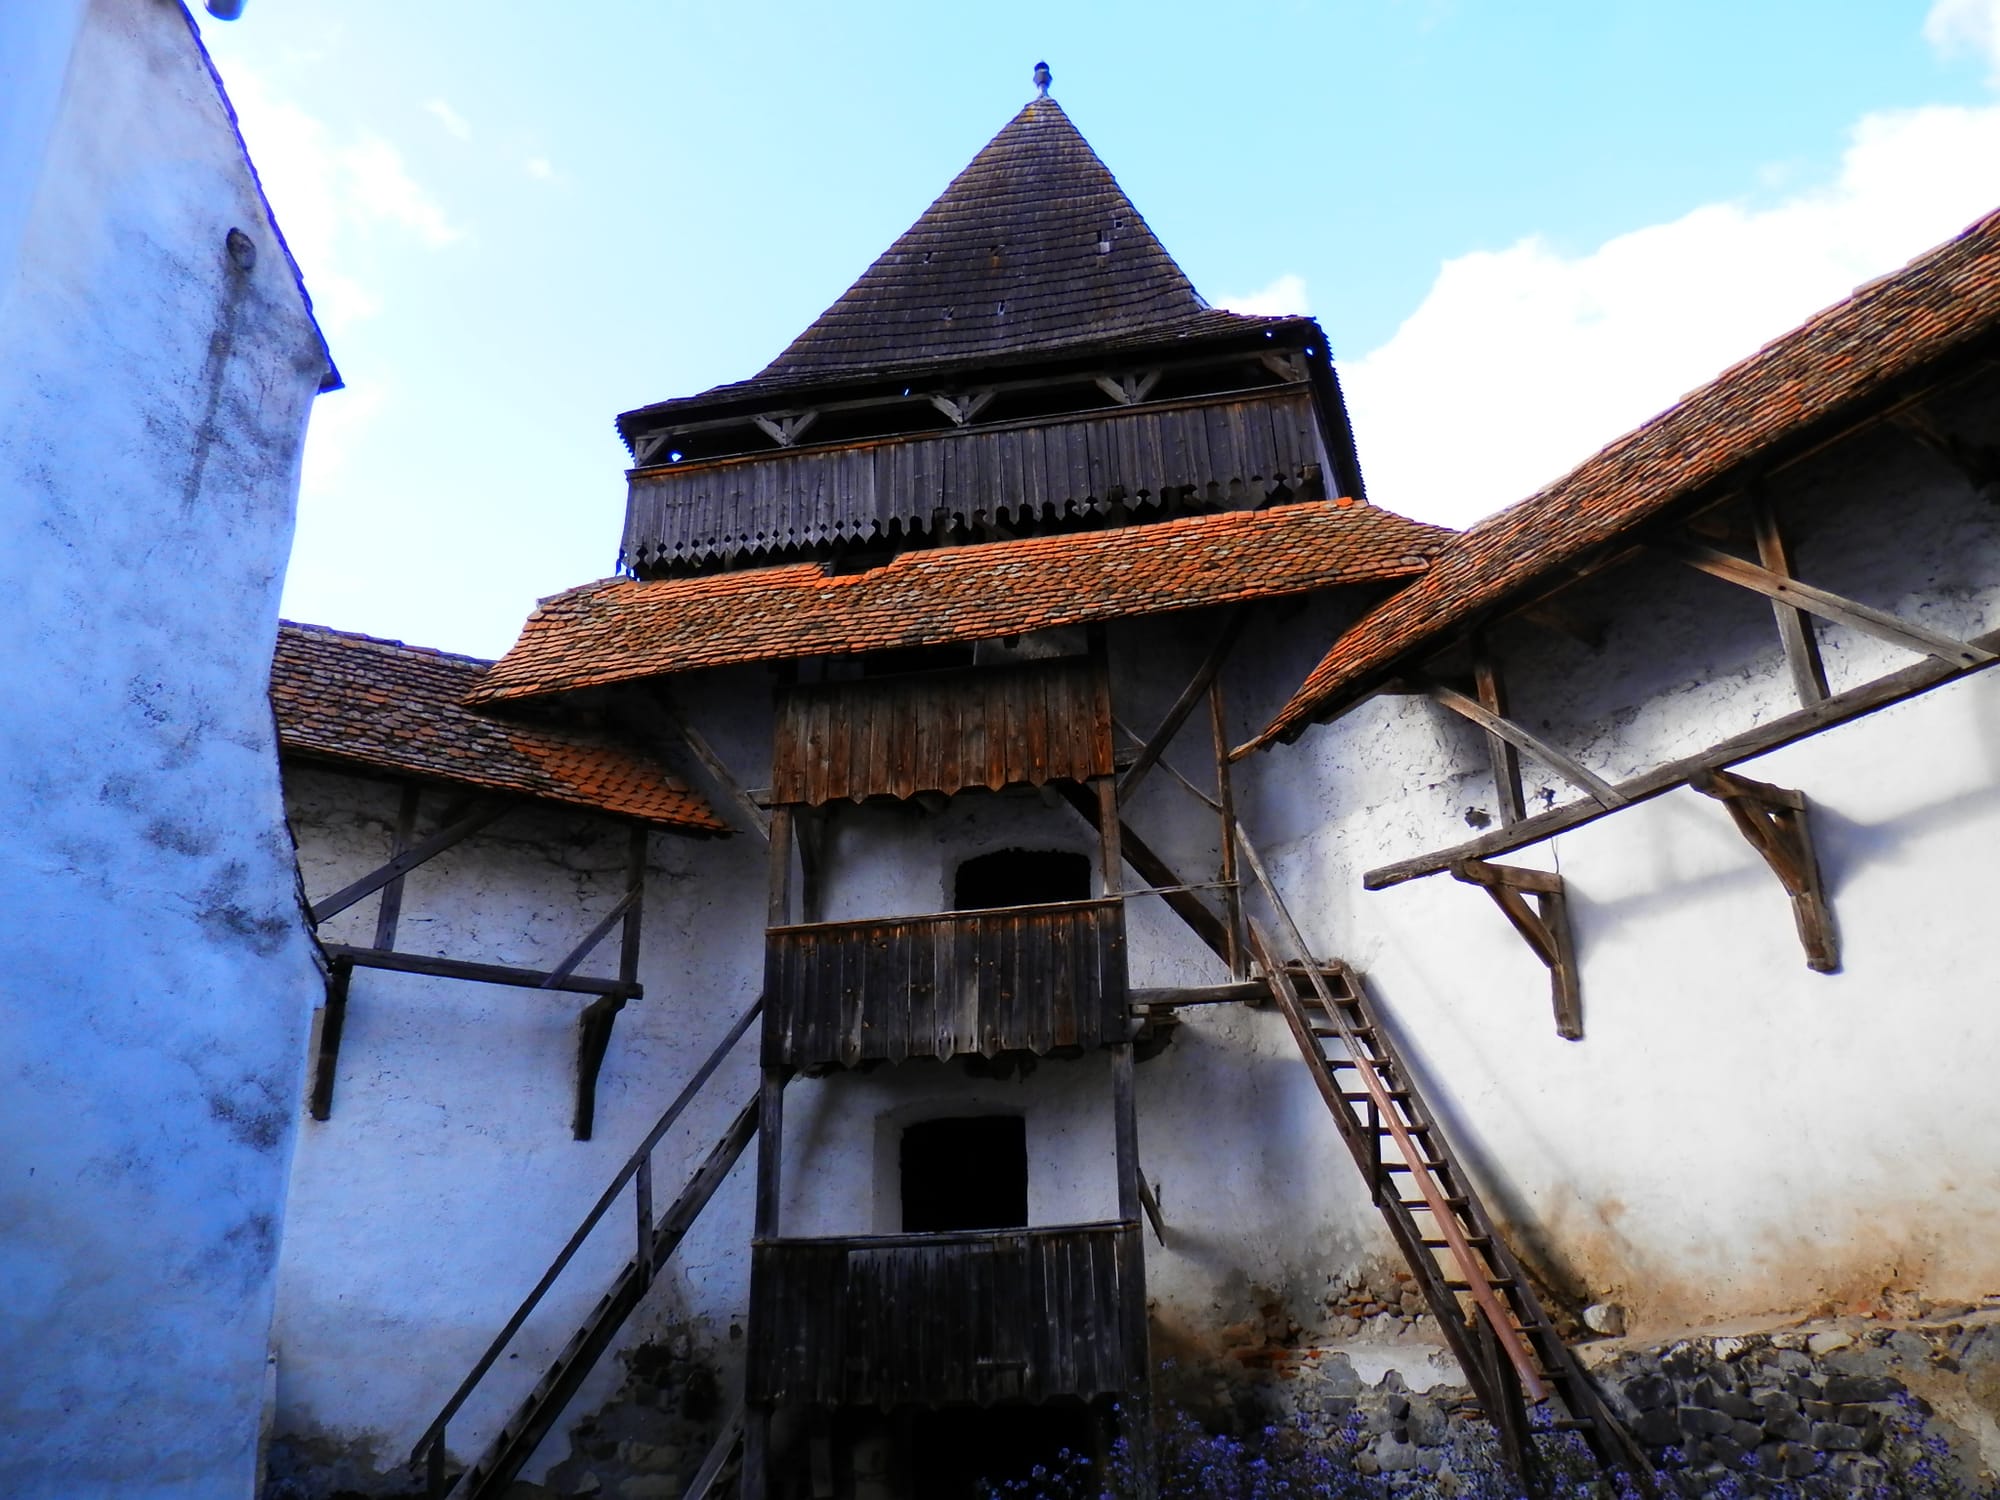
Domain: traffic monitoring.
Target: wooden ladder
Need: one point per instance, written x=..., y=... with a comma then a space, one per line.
x=496, y=1468
x=1511, y=1352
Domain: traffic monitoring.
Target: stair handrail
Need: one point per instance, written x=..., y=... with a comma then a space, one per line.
x=638, y=1163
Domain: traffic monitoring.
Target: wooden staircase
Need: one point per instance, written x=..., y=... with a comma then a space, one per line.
x=496, y=1468
x=1510, y=1349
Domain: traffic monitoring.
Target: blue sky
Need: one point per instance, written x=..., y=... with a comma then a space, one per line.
x=1526, y=228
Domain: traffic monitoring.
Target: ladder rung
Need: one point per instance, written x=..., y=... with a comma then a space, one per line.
x=1369, y=1098
x=1498, y=1283
x=1451, y=1201
x=1471, y=1239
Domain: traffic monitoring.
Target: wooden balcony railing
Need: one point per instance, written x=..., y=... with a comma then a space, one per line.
x=1020, y=724
x=981, y=1316
x=1014, y=979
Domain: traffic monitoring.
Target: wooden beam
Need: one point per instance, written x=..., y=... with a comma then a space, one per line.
x=453, y=968
x=660, y=706
x=401, y=865
x=1128, y=389
x=1138, y=742
x=1156, y=872
x=1225, y=807
x=390, y=912
x=1172, y=997
x=1839, y=709
x=1828, y=606
x=332, y=1020
x=1150, y=1202
x=962, y=407
x=594, y=1025
x=1500, y=750
x=1599, y=789
x=1184, y=705
x=787, y=427
x=1544, y=927
x=1794, y=625
x=1776, y=824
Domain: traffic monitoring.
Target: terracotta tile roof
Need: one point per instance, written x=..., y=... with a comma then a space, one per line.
x=1032, y=247
x=1825, y=371
x=386, y=707
x=618, y=629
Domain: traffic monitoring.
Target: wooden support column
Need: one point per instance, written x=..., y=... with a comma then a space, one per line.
x=1545, y=927
x=1225, y=802
x=1774, y=821
x=333, y=1018
x=1794, y=625
x=594, y=1025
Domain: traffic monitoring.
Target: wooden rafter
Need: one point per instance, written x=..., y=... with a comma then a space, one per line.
x=1774, y=819
x=1828, y=605
x=1599, y=790
x=1840, y=709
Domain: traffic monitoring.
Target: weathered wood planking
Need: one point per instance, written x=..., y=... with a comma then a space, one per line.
x=1016, y=979
x=1231, y=452
x=1025, y=723
x=979, y=1316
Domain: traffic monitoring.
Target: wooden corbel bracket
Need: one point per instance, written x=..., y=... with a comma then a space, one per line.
x=1544, y=926
x=1773, y=819
x=593, y=1040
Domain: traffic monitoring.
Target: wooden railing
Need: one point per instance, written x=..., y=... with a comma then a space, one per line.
x=980, y=1316
x=1013, y=979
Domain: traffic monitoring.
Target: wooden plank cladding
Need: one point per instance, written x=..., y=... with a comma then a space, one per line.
x=980, y=1316
x=1231, y=452
x=1014, y=979
x=1024, y=723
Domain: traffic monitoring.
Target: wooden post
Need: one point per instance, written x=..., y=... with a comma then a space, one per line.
x=331, y=1021
x=595, y=1023
x=1225, y=797
x=1506, y=759
x=390, y=912
x=1794, y=626
x=780, y=908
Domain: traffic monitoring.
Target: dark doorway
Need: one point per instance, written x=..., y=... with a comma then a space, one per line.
x=954, y=1449
x=969, y=1173
x=1021, y=877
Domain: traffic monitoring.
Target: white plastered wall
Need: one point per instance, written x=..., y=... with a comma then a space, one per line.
x=1736, y=1134
x=153, y=399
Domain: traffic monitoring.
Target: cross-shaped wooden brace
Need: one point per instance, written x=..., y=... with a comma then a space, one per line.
x=1773, y=819
x=1545, y=926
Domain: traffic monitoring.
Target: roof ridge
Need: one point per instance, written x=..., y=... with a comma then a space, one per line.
x=358, y=638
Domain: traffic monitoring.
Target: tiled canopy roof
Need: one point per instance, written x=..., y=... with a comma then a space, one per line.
x=616, y=630
x=1033, y=246
x=385, y=707
x=1827, y=370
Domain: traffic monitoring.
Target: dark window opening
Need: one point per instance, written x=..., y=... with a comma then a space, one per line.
x=894, y=663
x=968, y=1173
x=1021, y=877
x=955, y=1452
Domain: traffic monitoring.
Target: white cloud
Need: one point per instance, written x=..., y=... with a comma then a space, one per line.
x=1521, y=362
x=336, y=200
x=1957, y=26
x=1284, y=296
x=454, y=123
x=380, y=191
x=539, y=168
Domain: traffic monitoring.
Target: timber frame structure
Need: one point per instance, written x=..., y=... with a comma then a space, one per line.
x=926, y=524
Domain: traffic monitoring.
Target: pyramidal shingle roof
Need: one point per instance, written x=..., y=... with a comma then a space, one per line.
x=1033, y=247
x=1033, y=244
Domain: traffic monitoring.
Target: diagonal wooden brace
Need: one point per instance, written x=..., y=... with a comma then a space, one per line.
x=1544, y=926
x=1774, y=820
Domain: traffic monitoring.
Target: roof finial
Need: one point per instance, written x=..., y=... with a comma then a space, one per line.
x=1042, y=77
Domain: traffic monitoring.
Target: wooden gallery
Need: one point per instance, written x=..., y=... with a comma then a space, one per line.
x=1031, y=899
